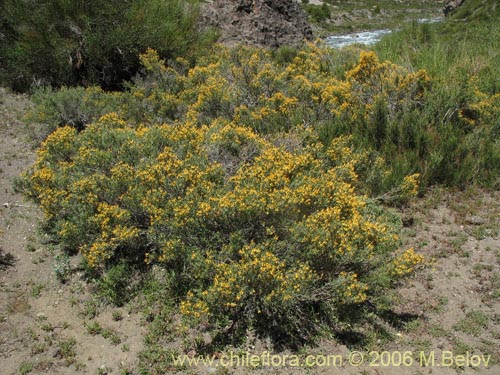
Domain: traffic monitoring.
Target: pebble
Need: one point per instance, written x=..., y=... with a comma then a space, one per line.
x=474, y=220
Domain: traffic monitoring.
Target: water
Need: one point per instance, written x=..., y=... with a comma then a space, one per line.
x=366, y=37
x=430, y=20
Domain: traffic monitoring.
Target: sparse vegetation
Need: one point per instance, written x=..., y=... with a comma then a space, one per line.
x=117, y=315
x=318, y=13
x=93, y=328
x=473, y=323
x=26, y=368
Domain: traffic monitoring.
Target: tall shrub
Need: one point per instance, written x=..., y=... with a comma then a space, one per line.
x=66, y=42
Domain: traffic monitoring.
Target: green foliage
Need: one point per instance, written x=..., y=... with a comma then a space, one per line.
x=62, y=267
x=117, y=315
x=75, y=107
x=474, y=323
x=285, y=54
x=318, y=13
x=477, y=10
x=93, y=328
x=115, y=285
x=26, y=368
x=63, y=42
x=66, y=350
x=456, y=129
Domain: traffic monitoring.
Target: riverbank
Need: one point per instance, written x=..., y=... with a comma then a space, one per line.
x=367, y=37
x=366, y=15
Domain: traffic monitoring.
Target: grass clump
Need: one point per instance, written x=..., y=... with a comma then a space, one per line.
x=26, y=368
x=474, y=323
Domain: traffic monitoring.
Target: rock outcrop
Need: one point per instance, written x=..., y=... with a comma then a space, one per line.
x=265, y=23
x=451, y=6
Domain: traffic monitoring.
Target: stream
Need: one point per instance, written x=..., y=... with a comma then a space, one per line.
x=366, y=37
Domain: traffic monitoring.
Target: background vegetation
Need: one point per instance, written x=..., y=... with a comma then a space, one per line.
x=65, y=42
x=341, y=16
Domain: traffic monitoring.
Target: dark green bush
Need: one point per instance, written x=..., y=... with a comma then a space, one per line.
x=66, y=42
x=318, y=13
x=115, y=285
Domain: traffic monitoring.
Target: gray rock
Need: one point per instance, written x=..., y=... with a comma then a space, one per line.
x=474, y=220
x=264, y=23
x=451, y=6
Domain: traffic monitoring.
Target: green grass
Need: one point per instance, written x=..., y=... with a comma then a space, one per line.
x=36, y=290
x=461, y=348
x=117, y=315
x=26, y=368
x=449, y=51
x=93, y=328
x=474, y=323
x=67, y=350
x=437, y=331
x=460, y=61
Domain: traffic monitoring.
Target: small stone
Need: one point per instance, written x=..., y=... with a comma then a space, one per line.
x=55, y=353
x=207, y=338
x=474, y=220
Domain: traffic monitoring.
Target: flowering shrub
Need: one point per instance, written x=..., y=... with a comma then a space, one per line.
x=391, y=113
x=254, y=232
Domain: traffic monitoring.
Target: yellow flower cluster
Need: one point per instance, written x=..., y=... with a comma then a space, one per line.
x=151, y=61
x=57, y=146
x=114, y=230
x=194, y=307
x=409, y=186
x=354, y=291
x=406, y=263
x=284, y=96
x=256, y=280
x=484, y=107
